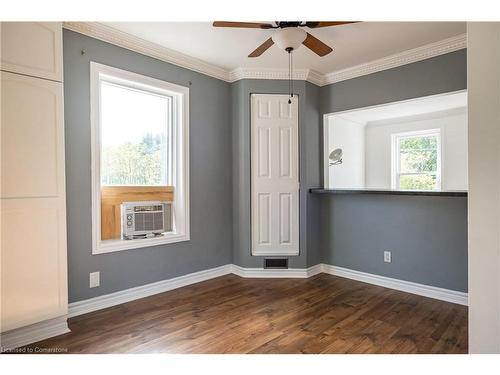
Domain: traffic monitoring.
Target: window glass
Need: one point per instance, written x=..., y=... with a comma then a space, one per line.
x=418, y=162
x=135, y=136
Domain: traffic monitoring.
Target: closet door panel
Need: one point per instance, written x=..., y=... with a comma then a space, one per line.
x=34, y=285
x=32, y=137
x=33, y=48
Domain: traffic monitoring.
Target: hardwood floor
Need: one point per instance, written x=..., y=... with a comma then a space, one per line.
x=229, y=314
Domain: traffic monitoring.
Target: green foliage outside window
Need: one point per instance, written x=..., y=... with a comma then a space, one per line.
x=417, y=182
x=135, y=163
x=418, y=163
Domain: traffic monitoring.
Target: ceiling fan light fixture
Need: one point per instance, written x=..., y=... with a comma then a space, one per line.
x=290, y=37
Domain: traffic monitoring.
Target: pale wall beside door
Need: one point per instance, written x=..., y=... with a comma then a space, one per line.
x=275, y=181
x=483, y=75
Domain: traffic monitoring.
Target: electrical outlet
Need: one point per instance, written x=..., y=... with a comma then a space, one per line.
x=387, y=256
x=94, y=279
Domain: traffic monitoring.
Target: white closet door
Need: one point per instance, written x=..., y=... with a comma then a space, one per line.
x=32, y=48
x=33, y=204
x=275, y=178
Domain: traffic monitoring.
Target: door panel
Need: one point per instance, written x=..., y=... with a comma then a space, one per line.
x=32, y=137
x=264, y=219
x=264, y=152
x=33, y=268
x=33, y=48
x=275, y=185
x=286, y=157
x=285, y=218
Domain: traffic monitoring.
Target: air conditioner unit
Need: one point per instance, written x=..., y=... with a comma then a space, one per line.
x=145, y=219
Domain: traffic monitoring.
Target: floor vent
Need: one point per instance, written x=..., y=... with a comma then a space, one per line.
x=276, y=263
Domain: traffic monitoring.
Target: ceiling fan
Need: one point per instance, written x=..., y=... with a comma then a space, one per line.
x=289, y=37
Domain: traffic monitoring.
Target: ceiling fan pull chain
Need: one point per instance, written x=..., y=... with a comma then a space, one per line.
x=291, y=72
x=290, y=82
x=289, y=77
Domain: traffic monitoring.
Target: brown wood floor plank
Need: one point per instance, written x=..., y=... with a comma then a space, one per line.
x=229, y=314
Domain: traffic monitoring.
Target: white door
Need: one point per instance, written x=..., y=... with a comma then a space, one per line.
x=275, y=175
x=33, y=202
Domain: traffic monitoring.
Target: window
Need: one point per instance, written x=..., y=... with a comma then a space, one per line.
x=416, y=160
x=139, y=140
x=135, y=136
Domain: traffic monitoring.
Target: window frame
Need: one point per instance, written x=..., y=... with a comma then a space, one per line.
x=395, y=156
x=180, y=155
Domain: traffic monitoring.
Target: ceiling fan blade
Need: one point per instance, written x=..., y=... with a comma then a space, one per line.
x=316, y=45
x=262, y=48
x=248, y=25
x=316, y=24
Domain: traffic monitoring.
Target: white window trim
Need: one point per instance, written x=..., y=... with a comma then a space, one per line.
x=180, y=156
x=395, y=155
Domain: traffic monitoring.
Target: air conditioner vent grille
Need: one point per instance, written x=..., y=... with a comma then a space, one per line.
x=149, y=221
x=145, y=219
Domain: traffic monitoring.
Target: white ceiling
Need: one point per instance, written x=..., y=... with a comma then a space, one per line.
x=407, y=108
x=353, y=44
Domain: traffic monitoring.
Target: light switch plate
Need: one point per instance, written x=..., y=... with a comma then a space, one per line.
x=387, y=256
x=94, y=279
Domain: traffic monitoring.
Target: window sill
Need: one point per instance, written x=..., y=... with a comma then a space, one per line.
x=109, y=246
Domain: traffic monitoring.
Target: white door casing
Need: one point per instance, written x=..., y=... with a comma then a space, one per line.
x=274, y=175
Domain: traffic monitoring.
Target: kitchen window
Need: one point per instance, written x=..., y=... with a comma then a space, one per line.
x=416, y=160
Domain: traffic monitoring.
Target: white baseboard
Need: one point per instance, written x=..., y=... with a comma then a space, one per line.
x=298, y=273
x=405, y=286
x=33, y=333
x=108, y=300
x=112, y=299
x=314, y=270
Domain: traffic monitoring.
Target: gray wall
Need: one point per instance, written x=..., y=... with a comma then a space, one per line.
x=309, y=172
x=312, y=156
x=427, y=235
x=437, y=75
x=210, y=175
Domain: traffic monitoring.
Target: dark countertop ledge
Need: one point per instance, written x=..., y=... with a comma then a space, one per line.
x=451, y=193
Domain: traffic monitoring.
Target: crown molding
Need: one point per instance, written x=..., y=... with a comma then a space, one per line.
x=403, y=58
x=111, y=35
x=128, y=41
x=316, y=77
x=280, y=74
x=259, y=73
